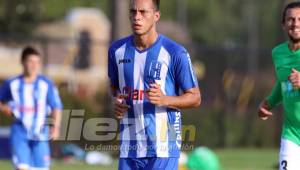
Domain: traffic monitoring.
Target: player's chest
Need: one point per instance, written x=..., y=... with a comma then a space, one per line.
x=283, y=71
x=147, y=66
x=285, y=64
x=29, y=92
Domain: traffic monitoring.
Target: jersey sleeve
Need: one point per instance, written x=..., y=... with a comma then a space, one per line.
x=5, y=92
x=53, y=98
x=183, y=71
x=275, y=97
x=112, y=69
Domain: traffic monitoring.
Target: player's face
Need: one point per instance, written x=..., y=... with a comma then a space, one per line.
x=291, y=24
x=143, y=16
x=32, y=65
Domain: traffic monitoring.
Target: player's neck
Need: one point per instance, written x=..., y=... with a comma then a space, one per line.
x=30, y=78
x=142, y=42
x=294, y=46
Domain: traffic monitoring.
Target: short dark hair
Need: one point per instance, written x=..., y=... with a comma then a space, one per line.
x=27, y=51
x=287, y=7
x=156, y=4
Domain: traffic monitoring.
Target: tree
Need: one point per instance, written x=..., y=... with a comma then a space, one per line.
x=20, y=16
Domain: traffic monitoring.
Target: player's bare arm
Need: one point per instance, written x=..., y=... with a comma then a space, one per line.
x=189, y=99
x=264, y=110
x=274, y=98
x=55, y=130
x=119, y=106
x=4, y=108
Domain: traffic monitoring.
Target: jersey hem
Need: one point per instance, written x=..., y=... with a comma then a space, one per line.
x=290, y=139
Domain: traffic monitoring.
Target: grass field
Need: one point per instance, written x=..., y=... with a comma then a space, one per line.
x=231, y=159
x=248, y=159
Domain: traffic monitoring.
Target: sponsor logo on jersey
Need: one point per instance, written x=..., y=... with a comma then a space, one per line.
x=124, y=61
x=155, y=69
x=134, y=94
x=288, y=89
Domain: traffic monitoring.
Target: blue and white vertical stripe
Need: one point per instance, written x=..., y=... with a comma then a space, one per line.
x=30, y=103
x=148, y=130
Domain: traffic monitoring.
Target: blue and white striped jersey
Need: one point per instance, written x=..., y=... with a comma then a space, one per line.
x=148, y=130
x=31, y=103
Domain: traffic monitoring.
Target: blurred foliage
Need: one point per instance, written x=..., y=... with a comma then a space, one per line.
x=225, y=21
x=21, y=16
x=96, y=106
x=56, y=9
x=214, y=22
x=90, y=104
x=205, y=120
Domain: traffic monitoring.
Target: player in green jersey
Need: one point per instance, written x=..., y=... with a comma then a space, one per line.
x=286, y=59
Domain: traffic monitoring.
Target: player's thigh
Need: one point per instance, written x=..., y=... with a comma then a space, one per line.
x=40, y=154
x=289, y=155
x=19, y=144
x=162, y=164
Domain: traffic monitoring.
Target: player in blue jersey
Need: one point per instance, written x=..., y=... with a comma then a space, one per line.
x=151, y=79
x=30, y=98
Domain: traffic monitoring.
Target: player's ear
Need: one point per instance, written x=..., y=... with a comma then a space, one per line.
x=157, y=16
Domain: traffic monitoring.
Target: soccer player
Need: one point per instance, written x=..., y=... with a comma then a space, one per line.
x=29, y=98
x=151, y=78
x=286, y=59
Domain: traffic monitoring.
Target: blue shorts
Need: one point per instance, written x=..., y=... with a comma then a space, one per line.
x=151, y=163
x=28, y=153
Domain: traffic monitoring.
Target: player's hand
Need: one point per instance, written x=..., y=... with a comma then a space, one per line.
x=5, y=109
x=54, y=133
x=264, y=111
x=156, y=96
x=294, y=78
x=120, y=108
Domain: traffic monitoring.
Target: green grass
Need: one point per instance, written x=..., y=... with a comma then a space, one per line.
x=59, y=165
x=231, y=159
x=248, y=159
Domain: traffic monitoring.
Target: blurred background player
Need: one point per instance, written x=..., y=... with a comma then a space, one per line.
x=27, y=98
x=152, y=79
x=286, y=57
